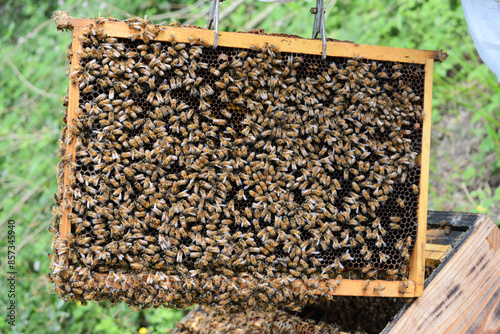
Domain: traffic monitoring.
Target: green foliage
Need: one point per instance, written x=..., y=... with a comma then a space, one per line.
x=32, y=77
x=158, y=321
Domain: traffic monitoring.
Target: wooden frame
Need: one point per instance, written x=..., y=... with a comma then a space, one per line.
x=415, y=283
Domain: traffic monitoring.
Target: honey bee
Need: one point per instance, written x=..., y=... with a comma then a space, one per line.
x=383, y=257
x=337, y=264
x=396, y=75
x=400, y=244
x=403, y=177
x=380, y=242
x=366, y=284
x=415, y=189
x=395, y=219
x=395, y=226
x=136, y=266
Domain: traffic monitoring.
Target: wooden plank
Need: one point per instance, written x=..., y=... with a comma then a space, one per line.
x=491, y=322
x=436, y=252
x=465, y=296
x=285, y=44
x=494, y=239
x=417, y=260
x=73, y=98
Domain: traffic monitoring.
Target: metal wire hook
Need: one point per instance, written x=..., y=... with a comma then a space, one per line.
x=213, y=16
x=319, y=24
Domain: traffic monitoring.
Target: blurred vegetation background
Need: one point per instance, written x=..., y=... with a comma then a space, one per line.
x=465, y=164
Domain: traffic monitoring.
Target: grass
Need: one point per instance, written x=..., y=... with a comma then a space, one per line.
x=465, y=164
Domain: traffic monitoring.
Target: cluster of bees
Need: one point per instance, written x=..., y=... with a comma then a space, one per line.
x=221, y=177
x=204, y=320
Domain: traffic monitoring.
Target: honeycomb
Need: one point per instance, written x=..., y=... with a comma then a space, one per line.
x=199, y=167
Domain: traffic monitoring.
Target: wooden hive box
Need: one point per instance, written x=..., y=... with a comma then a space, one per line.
x=365, y=195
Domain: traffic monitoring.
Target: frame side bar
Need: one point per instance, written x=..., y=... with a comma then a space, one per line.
x=417, y=261
x=74, y=95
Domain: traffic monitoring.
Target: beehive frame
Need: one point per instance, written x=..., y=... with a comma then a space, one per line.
x=348, y=287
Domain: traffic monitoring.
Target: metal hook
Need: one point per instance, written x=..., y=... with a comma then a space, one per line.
x=213, y=16
x=319, y=24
